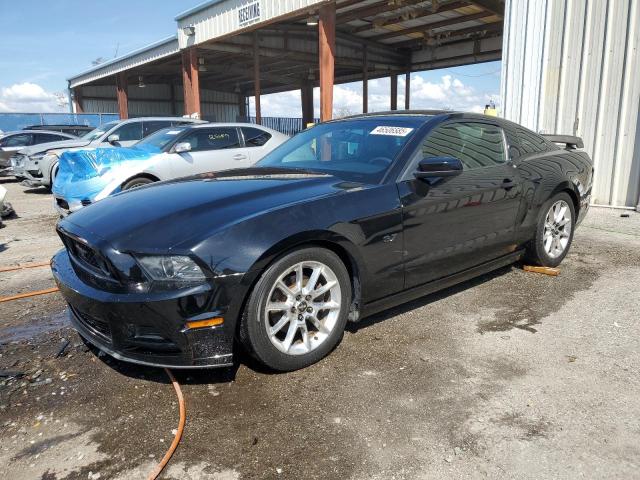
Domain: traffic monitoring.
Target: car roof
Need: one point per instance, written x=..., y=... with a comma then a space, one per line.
x=56, y=125
x=17, y=132
x=147, y=119
x=421, y=117
x=232, y=124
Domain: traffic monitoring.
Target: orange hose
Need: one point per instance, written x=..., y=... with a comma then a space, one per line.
x=176, y=440
x=26, y=265
x=28, y=294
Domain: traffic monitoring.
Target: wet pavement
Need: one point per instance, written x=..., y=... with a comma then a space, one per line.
x=511, y=375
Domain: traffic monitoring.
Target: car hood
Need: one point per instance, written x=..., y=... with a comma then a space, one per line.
x=64, y=144
x=84, y=173
x=154, y=218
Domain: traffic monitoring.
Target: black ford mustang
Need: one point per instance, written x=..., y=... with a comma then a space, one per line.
x=345, y=219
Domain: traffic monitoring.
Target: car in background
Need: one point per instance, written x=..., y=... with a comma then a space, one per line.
x=76, y=130
x=38, y=164
x=86, y=176
x=346, y=219
x=12, y=142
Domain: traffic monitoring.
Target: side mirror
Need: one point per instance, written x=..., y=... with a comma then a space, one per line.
x=182, y=147
x=434, y=167
x=113, y=138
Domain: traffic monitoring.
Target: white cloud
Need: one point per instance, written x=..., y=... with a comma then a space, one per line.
x=31, y=98
x=449, y=93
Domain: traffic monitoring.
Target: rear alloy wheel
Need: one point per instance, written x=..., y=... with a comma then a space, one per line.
x=554, y=232
x=137, y=182
x=298, y=310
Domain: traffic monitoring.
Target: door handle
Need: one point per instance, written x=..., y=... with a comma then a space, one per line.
x=508, y=184
x=239, y=156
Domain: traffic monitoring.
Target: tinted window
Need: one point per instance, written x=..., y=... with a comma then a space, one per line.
x=202, y=139
x=47, y=137
x=129, y=132
x=530, y=142
x=162, y=138
x=254, y=137
x=476, y=145
x=149, y=127
x=354, y=150
x=20, y=140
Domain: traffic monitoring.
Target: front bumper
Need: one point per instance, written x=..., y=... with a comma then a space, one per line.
x=65, y=208
x=145, y=328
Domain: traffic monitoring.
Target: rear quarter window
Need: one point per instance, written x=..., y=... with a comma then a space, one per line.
x=530, y=142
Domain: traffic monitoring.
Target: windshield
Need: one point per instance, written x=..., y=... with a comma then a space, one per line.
x=98, y=132
x=161, y=138
x=356, y=150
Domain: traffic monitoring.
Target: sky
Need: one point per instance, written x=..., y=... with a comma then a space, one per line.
x=44, y=42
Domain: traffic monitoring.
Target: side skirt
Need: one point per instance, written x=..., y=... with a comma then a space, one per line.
x=440, y=284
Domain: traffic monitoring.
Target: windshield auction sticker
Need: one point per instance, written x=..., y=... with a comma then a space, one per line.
x=393, y=131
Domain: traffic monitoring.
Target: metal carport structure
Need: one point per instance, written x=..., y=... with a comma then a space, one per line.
x=228, y=50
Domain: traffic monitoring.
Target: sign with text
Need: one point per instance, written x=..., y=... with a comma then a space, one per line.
x=249, y=14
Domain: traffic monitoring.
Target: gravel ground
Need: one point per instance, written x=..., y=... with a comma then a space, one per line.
x=511, y=375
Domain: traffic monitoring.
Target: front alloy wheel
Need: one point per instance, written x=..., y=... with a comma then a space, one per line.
x=303, y=308
x=297, y=311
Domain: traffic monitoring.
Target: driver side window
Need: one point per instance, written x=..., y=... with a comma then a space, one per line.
x=476, y=145
x=129, y=132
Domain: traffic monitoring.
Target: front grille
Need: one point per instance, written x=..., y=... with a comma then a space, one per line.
x=18, y=160
x=87, y=256
x=95, y=325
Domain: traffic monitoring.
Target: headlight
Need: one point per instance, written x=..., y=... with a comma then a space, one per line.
x=171, y=267
x=37, y=157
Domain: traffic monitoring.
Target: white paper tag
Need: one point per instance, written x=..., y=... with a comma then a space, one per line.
x=174, y=132
x=393, y=131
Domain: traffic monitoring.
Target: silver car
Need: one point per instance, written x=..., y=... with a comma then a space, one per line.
x=38, y=165
x=12, y=142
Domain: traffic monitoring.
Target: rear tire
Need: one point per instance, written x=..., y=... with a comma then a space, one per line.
x=297, y=312
x=554, y=231
x=137, y=182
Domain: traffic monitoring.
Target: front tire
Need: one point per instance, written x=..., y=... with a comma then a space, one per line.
x=136, y=182
x=297, y=312
x=554, y=232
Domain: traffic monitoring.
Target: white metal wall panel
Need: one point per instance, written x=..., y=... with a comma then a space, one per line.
x=551, y=64
x=628, y=142
x=571, y=62
x=156, y=51
x=589, y=86
x=221, y=18
x=609, y=115
x=573, y=67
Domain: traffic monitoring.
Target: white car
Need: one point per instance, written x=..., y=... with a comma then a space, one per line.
x=38, y=165
x=87, y=176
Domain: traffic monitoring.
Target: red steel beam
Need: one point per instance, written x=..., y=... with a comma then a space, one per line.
x=256, y=78
x=327, y=49
x=122, y=94
x=191, y=81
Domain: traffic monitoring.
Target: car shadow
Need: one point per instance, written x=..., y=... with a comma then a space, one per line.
x=8, y=180
x=38, y=190
x=354, y=327
x=158, y=375
x=241, y=357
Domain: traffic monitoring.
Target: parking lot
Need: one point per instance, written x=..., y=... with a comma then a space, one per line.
x=512, y=375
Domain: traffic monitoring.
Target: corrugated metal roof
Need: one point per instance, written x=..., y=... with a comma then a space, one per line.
x=197, y=9
x=571, y=67
x=151, y=52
